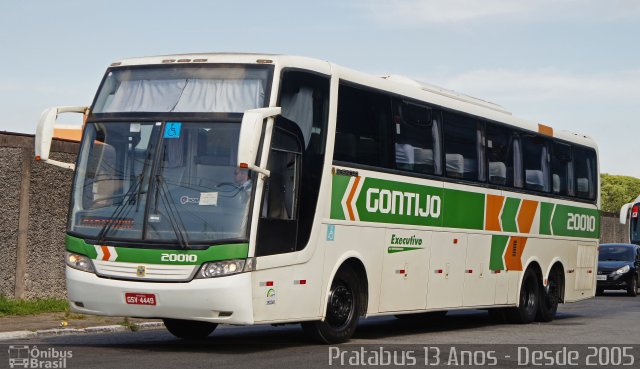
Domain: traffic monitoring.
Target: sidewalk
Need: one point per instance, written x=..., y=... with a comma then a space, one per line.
x=56, y=324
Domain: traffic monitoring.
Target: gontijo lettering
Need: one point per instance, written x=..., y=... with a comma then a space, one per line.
x=402, y=203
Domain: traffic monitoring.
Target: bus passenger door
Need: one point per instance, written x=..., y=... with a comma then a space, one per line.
x=404, y=276
x=479, y=281
x=446, y=270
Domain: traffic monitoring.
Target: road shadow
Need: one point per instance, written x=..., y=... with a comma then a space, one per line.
x=270, y=339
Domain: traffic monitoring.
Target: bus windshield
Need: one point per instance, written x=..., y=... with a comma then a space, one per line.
x=166, y=182
x=192, y=88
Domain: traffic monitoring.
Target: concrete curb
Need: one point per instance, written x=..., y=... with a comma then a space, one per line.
x=136, y=327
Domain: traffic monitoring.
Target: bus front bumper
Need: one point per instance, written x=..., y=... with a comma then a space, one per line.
x=216, y=300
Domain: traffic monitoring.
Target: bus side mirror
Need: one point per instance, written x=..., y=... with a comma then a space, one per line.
x=250, y=132
x=44, y=132
x=624, y=213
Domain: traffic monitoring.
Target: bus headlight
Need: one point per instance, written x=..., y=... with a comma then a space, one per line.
x=221, y=268
x=79, y=262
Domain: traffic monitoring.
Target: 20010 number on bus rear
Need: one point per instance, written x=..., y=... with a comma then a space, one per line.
x=581, y=222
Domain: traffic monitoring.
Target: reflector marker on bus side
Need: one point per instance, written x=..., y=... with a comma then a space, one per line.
x=266, y=284
x=300, y=281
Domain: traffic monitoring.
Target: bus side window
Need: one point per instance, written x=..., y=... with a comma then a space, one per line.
x=561, y=170
x=363, y=127
x=500, y=147
x=535, y=154
x=464, y=148
x=417, y=138
x=585, y=173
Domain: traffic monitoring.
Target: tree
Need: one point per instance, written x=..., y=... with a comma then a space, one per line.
x=617, y=191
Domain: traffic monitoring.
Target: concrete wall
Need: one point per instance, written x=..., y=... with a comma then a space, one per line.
x=10, y=180
x=611, y=229
x=34, y=199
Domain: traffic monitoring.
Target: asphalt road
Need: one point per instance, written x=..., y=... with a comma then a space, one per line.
x=612, y=320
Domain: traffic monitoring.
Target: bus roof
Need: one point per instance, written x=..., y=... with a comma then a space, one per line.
x=393, y=83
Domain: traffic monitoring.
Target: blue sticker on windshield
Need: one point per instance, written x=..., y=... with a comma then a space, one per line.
x=172, y=130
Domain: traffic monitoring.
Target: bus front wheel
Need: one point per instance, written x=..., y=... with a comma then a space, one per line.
x=527, y=308
x=344, y=306
x=189, y=329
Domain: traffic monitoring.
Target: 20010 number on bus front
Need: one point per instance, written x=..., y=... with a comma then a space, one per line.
x=581, y=222
x=180, y=258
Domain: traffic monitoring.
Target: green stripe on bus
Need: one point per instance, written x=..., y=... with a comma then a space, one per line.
x=78, y=246
x=154, y=256
x=571, y=221
x=340, y=184
x=463, y=209
x=546, y=209
x=385, y=201
x=393, y=202
x=509, y=215
x=394, y=249
x=498, y=245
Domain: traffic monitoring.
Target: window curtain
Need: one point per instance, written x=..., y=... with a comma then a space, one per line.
x=187, y=95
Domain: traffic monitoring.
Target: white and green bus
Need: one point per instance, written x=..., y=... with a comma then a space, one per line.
x=261, y=189
x=629, y=213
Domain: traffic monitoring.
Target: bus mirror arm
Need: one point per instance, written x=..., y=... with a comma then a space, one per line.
x=44, y=133
x=624, y=213
x=249, y=140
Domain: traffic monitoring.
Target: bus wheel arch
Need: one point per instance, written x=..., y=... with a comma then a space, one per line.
x=346, y=302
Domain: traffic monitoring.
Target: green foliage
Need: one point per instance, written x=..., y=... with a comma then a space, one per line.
x=9, y=306
x=617, y=191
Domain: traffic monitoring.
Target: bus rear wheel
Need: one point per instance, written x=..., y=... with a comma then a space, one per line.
x=344, y=307
x=550, y=297
x=189, y=329
x=527, y=308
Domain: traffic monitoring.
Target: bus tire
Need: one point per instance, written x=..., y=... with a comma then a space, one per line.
x=344, y=307
x=189, y=329
x=550, y=297
x=632, y=289
x=529, y=300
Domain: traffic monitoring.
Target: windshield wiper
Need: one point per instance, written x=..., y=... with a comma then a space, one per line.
x=174, y=217
x=118, y=213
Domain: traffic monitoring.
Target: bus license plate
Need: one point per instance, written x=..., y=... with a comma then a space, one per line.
x=601, y=278
x=140, y=298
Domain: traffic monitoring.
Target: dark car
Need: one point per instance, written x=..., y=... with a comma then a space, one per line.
x=618, y=268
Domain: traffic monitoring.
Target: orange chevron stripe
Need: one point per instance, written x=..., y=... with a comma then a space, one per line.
x=513, y=253
x=105, y=251
x=492, y=213
x=525, y=216
x=350, y=198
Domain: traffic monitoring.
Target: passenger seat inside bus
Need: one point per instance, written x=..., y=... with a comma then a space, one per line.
x=497, y=172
